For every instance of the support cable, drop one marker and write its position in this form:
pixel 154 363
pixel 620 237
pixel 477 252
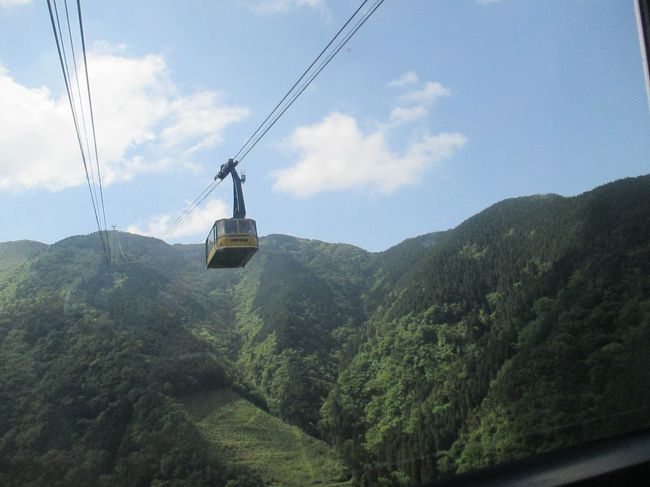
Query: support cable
pixel 83 124
pixel 321 67
pixel 299 79
pixel 64 69
pixel 254 139
pixel 92 115
pixel 197 201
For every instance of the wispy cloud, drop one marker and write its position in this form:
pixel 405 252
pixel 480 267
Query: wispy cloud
pixel 429 93
pixel 10 3
pixel 142 123
pixel 335 154
pixel 407 78
pixel 402 115
pixel 195 121
pixel 414 102
pixel 271 7
pixel 195 225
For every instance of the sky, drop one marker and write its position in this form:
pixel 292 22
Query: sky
pixel 434 111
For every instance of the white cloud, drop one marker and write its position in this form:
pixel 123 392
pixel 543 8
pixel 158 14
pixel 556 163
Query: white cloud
pixel 102 46
pixel 414 104
pixel 401 115
pixel 432 91
pixel 138 114
pixel 196 121
pixel 407 78
pixel 9 3
pixel 336 155
pixel 197 224
pixel 270 7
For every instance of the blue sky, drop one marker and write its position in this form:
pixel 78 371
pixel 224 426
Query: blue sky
pixel 434 111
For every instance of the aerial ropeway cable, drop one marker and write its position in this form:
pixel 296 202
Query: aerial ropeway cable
pixel 299 80
pixel 90 109
pixel 317 71
pixel 78 115
pixel 197 201
pixel 313 70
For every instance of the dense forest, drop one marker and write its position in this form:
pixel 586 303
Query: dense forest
pixel 524 329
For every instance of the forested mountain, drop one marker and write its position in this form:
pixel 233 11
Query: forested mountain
pixel 12 253
pixel 525 328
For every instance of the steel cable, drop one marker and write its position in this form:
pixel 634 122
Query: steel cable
pixel 65 70
pixel 245 149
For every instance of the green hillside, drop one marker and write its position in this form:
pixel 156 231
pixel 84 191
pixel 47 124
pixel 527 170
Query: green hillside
pixel 247 436
pixel 524 329
pixel 94 359
pixel 13 253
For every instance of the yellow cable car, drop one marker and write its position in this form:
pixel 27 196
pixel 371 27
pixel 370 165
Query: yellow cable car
pixel 232 241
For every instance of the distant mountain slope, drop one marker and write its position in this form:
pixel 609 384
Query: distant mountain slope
pixel 299 306
pixel 394 264
pixel 93 359
pixel 12 253
pixel 522 330
pixel 295 304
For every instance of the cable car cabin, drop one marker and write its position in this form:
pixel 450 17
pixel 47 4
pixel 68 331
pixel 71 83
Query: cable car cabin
pixel 231 243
